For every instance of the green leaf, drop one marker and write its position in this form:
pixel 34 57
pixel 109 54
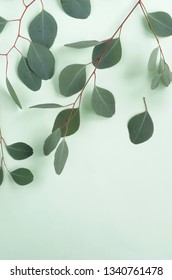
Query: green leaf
pixel 77 8
pixel 61 156
pixel 41 61
pixel 43 29
pixel 83 44
pixel 19 150
pixel 68 121
pixel 47 106
pixel 3 23
pixel 103 102
pixel 161 23
pixel 27 76
pixel 161 66
pixel 12 93
pixel 52 141
pixel 152 64
pixel 140 128
pixel 166 75
pixel 107 54
pixel 72 79
pixel 1 175
pixel 22 176
pixel 155 81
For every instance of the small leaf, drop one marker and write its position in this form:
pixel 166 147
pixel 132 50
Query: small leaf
pixel 77 8
pixel 155 81
pixel 140 128
pixel 12 93
pixel 103 102
pixel 47 106
pixel 161 66
pixel 27 76
pixel 166 76
pixel 43 29
pixel 68 121
pixel 107 54
pixel 1 175
pixel 72 79
pixel 3 23
pixel 41 61
pixel 83 44
pixel 19 150
pixel 22 176
pixel 161 23
pixel 61 156
pixel 52 141
pixel 152 64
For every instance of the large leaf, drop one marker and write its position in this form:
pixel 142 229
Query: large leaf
pixel 152 63
pixel 22 176
pixel 72 79
pixel 27 76
pixel 161 23
pixel 3 22
pixel 43 29
pixel 47 106
pixel 107 54
pixel 41 61
pixel 13 93
pixel 103 102
pixel 68 121
pixel 83 44
pixel 1 175
pixel 77 8
pixel 140 128
pixel 19 150
pixel 52 141
pixel 61 156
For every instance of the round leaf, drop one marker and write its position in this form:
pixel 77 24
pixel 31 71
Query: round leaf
pixel 77 8
pixel 19 150
pixel 52 141
pixel 1 175
pixel 161 23
pixel 3 22
pixel 22 176
pixel 43 29
pixel 61 156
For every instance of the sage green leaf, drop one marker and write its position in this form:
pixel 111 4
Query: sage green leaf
pixel 3 23
pixel 166 76
pixel 1 175
pixel 161 66
pixel 152 64
pixel 41 61
pixel 68 121
pixel 72 79
pixel 77 8
pixel 155 81
pixel 103 102
pixel 107 54
pixel 140 128
pixel 47 106
pixel 19 150
pixel 52 141
pixel 12 93
pixel 22 176
pixel 27 76
pixel 43 29
pixel 83 44
pixel 61 156
pixel 161 23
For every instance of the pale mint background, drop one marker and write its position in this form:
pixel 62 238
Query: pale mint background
pixel 113 200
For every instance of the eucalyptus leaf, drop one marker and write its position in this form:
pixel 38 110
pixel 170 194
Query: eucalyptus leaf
pixel 166 76
pixel 155 81
pixel 140 128
pixel 41 61
pixel 103 102
pixel 161 66
pixel 72 79
pixel 68 121
pixel 77 8
pixel 52 141
pixel 47 106
pixel 13 93
pixel 3 23
pixel 27 76
pixel 22 176
pixel 107 54
pixel 83 44
pixel 19 150
pixel 43 29
pixel 1 175
pixel 161 23
pixel 61 156
pixel 152 64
